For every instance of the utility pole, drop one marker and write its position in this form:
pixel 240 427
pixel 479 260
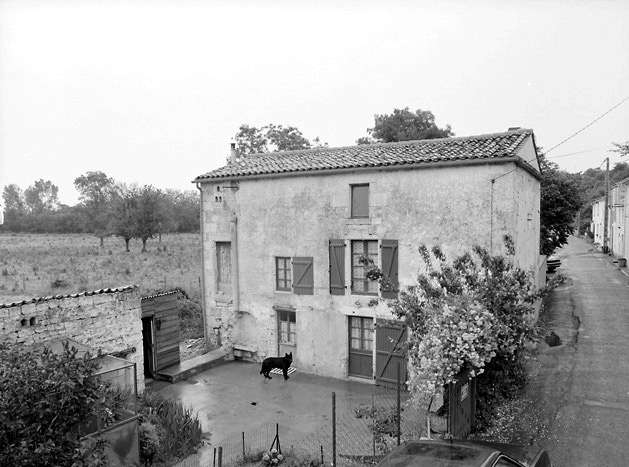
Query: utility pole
pixel 606 214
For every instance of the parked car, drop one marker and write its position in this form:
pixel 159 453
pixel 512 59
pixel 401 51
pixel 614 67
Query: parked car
pixel 552 263
pixel 438 453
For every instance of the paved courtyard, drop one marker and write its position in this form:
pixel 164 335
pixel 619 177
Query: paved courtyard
pixel 234 398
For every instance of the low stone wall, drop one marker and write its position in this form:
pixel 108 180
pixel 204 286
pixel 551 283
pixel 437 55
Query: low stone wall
pixel 109 320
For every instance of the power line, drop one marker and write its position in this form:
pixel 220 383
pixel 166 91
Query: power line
pixel 588 125
pixel 578 152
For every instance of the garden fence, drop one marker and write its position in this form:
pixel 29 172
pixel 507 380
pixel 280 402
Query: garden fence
pixel 357 434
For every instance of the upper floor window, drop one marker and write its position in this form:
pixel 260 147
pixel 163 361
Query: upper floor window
pixel 360 200
pixel 367 249
pixel 283 274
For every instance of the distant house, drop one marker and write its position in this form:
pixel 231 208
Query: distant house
pixel 617 240
pixel 283 233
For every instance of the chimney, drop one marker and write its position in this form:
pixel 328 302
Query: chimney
pixel 514 128
pixel 234 154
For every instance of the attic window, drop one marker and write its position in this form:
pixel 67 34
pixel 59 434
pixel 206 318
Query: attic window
pixel 360 201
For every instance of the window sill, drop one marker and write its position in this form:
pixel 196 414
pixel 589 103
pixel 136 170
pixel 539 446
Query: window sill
pixel 359 221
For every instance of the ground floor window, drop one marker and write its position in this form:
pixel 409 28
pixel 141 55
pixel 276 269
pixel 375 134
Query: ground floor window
pixel 287 321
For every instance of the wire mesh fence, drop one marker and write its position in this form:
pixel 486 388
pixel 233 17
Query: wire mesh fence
pixel 358 434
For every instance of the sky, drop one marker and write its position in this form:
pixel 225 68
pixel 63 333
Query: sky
pixel 153 91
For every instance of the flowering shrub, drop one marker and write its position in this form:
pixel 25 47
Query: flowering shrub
pixel 463 314
pixel 273 457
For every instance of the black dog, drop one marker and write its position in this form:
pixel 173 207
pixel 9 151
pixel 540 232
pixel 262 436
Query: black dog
pixel 277 362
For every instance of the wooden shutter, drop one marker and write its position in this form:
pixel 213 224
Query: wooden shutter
pixel 337 267
pixel 390 266
pixel 303 277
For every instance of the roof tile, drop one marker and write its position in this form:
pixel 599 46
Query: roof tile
pixel 493 146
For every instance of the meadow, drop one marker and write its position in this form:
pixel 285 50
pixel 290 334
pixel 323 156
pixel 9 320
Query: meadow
pixel 37 265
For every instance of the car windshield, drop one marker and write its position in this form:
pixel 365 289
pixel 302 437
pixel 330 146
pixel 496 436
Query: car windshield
pixel 420 454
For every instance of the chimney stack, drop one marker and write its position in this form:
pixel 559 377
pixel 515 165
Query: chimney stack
pixel 234 154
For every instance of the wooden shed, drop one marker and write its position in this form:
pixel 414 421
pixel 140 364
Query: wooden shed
pixel 160 332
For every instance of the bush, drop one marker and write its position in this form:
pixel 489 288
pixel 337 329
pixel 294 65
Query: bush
pixel 149 442
pixel 504 379
pixel 44 398
pixel 178 430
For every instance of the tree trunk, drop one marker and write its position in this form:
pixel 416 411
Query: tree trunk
pixel 144 245
pixel 126 242
pixel 102 242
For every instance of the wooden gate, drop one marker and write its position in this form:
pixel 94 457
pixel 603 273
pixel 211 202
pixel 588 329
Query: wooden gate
pixel 461 406
pixel 163 309
pixel 390 341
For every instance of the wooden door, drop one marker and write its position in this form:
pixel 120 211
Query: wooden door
pixel 360 346
pixel 390 340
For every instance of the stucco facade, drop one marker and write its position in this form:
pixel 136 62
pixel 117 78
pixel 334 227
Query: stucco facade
pixel 452 202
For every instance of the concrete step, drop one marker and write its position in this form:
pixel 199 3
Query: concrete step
pixel 188 368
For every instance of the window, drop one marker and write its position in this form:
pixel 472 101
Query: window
pixel 360 201
pixel 294 275
pixel 224 267
pixel 287 327
pixel 283 275
pixel 361 333
pixel 363 249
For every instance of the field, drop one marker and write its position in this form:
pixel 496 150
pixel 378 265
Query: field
pixel 36 265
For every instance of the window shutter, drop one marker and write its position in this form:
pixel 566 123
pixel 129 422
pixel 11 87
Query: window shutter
pixel 337 267
pixel 303 277
pixel 390 266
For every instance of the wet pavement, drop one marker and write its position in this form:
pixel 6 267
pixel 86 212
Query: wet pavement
pixel 235 398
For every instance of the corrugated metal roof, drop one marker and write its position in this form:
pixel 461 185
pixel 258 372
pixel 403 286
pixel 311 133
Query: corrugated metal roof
pixel 493 146
pixel 125 288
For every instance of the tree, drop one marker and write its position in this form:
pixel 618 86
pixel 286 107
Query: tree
pixel 123 213
pixel 622 148
pixel 45 398
pixel 404 125
pixel 269 138
pixel 473 314
pixel 95 193
pixel 561 200
pixel 41 197
pixel 148 216
pixel 14 207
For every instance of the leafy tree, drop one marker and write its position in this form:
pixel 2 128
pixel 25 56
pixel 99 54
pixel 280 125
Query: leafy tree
pixel 622 148
pixel 561 199
pixel 41 196
pixel 14 207
pixel 123 214
pixel 95 193
pixel 181 210
pixel 44 399
pixel 404 125
pixel 269 138
pixel 148 215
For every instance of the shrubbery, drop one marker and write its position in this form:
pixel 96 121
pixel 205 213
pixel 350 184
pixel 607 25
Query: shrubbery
pixel 44 399
pixel 168 430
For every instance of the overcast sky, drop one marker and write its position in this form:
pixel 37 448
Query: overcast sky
pixel 152 91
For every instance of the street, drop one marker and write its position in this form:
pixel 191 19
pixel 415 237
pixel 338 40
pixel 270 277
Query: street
pixel 582 385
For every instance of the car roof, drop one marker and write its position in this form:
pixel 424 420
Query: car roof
pixel 437 453
pixel 434 453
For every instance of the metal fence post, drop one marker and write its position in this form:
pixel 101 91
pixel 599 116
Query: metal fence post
pixel 220 456
pixel 333 429
pixel 243 445
pixel 398 411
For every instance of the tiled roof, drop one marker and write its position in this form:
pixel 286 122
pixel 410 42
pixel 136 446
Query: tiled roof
pixel 493 146
pixel 125 288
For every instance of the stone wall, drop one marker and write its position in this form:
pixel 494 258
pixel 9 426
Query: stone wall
pixel 108 320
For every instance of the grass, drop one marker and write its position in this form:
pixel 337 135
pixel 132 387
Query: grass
pixel 36 265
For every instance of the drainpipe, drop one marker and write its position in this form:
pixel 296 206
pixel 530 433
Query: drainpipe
pixel 202 261
pixel 233 228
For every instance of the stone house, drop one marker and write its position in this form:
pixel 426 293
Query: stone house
pixel 282 234
pixel 617 240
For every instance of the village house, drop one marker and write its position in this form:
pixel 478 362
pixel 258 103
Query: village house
pixel 283 232
pixel 616 242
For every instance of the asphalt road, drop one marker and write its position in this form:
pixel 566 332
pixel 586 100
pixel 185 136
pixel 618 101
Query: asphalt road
pixel 582 385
